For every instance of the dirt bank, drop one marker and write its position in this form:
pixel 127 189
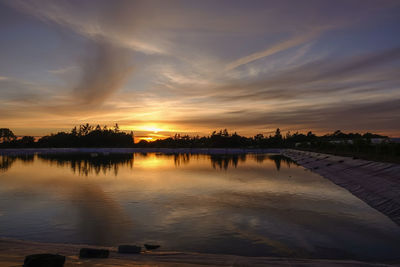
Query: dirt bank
pixel 13 252
pixel 376 183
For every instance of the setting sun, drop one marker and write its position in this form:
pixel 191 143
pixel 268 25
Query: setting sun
pixel 152 129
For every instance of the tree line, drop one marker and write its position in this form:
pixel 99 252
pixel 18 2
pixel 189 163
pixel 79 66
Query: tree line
pixel 224 139
pixel 338 142
pixel 85 135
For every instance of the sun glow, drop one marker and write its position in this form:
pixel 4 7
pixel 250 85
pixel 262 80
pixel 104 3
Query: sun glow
pixel 151 133
pixel 146 138
pixel 152 128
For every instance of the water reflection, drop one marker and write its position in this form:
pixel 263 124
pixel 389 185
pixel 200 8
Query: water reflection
pixel 100 218
pixel 226 161
pixel 86 163
pixel 181 159
pixel 245 204
pixel 96 163
pixel 278 159
pixel 7 161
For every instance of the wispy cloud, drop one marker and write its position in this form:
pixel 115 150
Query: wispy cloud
pixel 103 72
pixel 105 65
pixel 96 24
pixel 253 66
pixel 63 70
pixel 318 77
pixel 281 46
pixel 381 116
pixel 304 96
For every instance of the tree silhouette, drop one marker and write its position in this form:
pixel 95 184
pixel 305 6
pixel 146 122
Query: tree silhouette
pixel 88 136
pixel 337 142
pixel 6 135
pixel 116 128
pixel 278 135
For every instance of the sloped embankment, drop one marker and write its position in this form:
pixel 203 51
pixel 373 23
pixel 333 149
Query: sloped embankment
pixel 376 183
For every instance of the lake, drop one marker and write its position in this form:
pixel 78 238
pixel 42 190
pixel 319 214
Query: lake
pixel 243 204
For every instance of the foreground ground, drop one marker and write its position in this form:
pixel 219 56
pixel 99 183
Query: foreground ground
pixel 13 252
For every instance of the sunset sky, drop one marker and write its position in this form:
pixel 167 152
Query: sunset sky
pixel 160 67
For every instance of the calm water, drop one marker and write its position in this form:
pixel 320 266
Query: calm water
pixel 257 205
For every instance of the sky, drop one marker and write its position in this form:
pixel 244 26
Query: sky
pixel 161 67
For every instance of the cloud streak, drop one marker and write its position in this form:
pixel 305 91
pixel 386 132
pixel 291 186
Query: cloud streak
pixel 92 25
pixel 103 73
pixel 379 116
pixel 267 64
pixel 105 65
pixel 282 46
pixel 318 78
pixel 305 96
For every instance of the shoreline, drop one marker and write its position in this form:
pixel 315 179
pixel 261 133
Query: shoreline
pixel 17 151
pixel 13 252
pixel 375 183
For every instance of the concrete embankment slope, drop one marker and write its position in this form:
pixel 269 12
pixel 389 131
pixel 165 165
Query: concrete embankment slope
pixel 376 183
